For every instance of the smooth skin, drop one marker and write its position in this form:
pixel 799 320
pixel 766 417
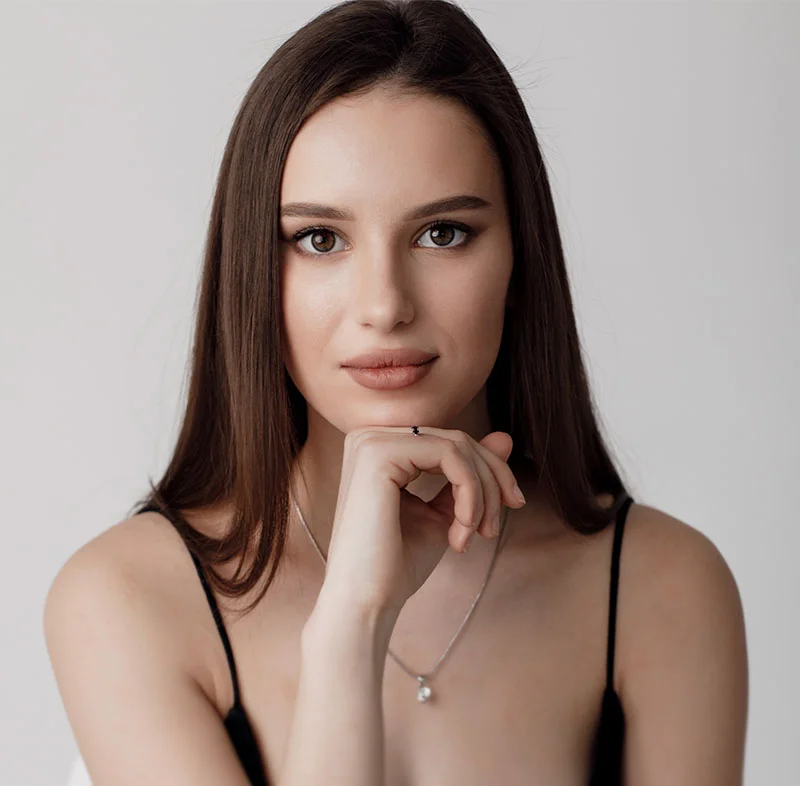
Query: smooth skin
pixel 386 541
pixel 138 661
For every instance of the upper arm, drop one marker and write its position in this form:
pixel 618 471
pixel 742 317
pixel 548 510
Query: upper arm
pixel 137 715
pixel 684 681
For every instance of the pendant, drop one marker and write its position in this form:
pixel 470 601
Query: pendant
pixel 423 692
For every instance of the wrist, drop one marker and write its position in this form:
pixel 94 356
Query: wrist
pixel 338 620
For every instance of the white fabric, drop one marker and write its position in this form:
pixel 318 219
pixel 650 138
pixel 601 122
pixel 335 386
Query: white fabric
pixel 79 775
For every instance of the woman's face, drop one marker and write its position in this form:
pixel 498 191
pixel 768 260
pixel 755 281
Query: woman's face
pixel 380 277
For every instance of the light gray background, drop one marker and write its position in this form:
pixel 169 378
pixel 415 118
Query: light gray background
pixel 671 132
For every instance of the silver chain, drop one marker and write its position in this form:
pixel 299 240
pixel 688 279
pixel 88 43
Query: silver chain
pixel 424 691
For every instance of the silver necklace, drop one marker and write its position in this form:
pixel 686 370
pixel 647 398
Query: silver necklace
pixel 424 692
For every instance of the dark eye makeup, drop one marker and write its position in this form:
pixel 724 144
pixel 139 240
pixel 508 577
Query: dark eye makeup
pixel 469 234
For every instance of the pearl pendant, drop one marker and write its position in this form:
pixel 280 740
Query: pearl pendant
pixel 423 692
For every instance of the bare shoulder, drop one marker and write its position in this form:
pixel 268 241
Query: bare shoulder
pixel 673 574
pixel 128 630
pixel 138 568
pixel 143 552
pixel 669 564
pixel 682 654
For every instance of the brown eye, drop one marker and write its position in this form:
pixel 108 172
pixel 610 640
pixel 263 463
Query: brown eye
pixel 322 240
pixel 442 234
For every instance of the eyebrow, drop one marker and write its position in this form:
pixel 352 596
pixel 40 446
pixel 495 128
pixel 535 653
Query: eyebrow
pixel 448 204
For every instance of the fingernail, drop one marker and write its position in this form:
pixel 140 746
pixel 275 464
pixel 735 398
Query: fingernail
pixel 517 492
pixel 469 542
pixel 496 524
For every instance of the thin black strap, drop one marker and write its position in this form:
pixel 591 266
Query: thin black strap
pixel 212 602
pixel 625 503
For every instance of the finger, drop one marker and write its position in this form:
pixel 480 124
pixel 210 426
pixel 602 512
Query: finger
pixel 492 477
pixel 503 474
pixel 467 497
pixel 496 477
pixel 485 487
pixel 461 500
pixel 499 442
pixel 492 494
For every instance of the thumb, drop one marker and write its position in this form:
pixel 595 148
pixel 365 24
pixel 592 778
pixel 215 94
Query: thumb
pixel 499 442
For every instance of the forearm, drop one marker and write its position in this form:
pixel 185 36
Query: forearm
pixel 337 729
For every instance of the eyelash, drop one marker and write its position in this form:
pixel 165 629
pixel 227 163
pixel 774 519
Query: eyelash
pixel 468 231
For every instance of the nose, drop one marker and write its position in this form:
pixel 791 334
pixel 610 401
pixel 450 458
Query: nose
pixel 381 293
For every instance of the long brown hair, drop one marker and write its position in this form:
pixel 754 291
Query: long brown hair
pixel 245 421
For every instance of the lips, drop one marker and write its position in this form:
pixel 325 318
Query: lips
pixel 391 377
pixel 390 358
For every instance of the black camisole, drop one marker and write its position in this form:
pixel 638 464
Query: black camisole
pixel 609 735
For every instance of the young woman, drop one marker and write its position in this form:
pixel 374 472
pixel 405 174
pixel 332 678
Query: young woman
pixel 383 202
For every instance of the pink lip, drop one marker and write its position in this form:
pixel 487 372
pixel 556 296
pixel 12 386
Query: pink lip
pixel 400 356
pixel 390 377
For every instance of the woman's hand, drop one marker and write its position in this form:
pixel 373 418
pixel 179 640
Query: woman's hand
pixel 385 541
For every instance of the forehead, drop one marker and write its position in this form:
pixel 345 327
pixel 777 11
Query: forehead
pixel 382 151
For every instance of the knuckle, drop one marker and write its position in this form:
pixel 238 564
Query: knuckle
pixel 370 444
pixel 364 442
pixel 354 437
pixel 452 448
pixel 470 440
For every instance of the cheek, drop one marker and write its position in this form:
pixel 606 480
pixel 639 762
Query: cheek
pixel 309 303
pixel 475 327
pixel 305 329
pixel 479 308
pixel 311 296
pixel 482 334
